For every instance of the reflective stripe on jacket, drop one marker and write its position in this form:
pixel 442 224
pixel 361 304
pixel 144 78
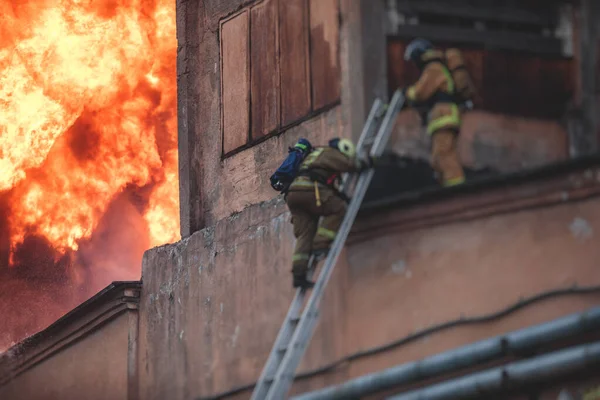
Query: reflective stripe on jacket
pixel 436 79
pixel 324 162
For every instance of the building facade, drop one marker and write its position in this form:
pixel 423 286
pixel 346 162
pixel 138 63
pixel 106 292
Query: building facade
pixel 426 270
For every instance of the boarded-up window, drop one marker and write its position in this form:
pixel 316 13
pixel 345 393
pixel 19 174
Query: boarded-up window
pixel 324 50
pixel 295 73
pixel 279 64
pixel 234 34
pixel 264 67
pixel 509 82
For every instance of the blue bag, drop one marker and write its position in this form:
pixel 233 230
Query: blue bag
pixel 287 171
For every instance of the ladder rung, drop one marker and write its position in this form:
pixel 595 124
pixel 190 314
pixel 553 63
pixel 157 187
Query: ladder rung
pixel 370 140
pixel 294 336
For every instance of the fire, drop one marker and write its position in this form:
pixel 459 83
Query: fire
pixel 87 113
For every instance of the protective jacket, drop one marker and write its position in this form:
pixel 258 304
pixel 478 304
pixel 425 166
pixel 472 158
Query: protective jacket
pixel 436 89
pixel 322 168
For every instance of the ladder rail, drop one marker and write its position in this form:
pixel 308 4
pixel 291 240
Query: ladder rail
pixel 305 329
pixel 282 340
pixel 288 328
pixel 368 129
pixel 368 126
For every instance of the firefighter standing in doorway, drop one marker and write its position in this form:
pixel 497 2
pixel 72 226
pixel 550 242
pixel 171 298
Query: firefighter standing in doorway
pixel 443 87
pixel 315 193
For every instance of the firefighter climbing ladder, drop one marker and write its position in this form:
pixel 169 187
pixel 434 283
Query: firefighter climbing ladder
pixel 295 333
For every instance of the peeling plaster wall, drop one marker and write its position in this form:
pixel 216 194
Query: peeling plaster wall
pixel 243 179
pixel 212 188
pixel 214 295
pixel 213 303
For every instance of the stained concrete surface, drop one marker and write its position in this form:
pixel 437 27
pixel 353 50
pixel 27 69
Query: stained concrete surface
pixel 487 140
pixel 94 368
pixel 213 303
pixel 404 282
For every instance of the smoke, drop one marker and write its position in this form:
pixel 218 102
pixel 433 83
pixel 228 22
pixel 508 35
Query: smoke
pixel 41 284
pixel 116 247
pixel 34 288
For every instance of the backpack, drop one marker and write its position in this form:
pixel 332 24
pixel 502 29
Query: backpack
pixel 283 177
pixel 464 87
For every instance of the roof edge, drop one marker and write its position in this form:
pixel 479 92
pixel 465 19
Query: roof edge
pixel 574 181
pixel 110 302
pixel 435 193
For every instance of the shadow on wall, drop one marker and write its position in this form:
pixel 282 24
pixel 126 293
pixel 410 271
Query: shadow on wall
pixel 487 140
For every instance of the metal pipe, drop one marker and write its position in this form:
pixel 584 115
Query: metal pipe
pixel 511 376
pixel 463 357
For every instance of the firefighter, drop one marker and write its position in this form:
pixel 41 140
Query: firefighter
pixel 441 94
pixel 315 193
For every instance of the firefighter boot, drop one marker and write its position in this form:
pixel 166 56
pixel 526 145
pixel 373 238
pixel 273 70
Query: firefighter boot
pixel 301 281
pixel 445 158
pixel 320 254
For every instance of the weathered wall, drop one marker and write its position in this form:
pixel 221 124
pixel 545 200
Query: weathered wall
pixel 243 179
pixel 407 281
pixel 498 141
pixel 93 368
pixel 213 303
pixel 232 107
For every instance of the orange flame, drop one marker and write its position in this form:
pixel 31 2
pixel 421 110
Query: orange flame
pixel 86 77
pixel 87 111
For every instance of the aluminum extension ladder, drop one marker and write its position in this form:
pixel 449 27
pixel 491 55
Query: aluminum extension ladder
pixel 295 333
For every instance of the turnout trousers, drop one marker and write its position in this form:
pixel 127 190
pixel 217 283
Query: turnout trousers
pixel 310 237
pixel 444 126
pixel 444 157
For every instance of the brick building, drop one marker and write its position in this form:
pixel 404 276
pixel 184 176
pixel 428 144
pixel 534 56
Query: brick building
pixel 425 271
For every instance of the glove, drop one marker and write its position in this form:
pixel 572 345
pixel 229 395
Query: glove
pixel 406 103
pixel 367 163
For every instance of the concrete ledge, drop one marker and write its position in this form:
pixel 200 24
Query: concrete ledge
pixel 480 197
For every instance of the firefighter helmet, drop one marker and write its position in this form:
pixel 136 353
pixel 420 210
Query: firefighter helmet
pixel 415 50
pixel 345 146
